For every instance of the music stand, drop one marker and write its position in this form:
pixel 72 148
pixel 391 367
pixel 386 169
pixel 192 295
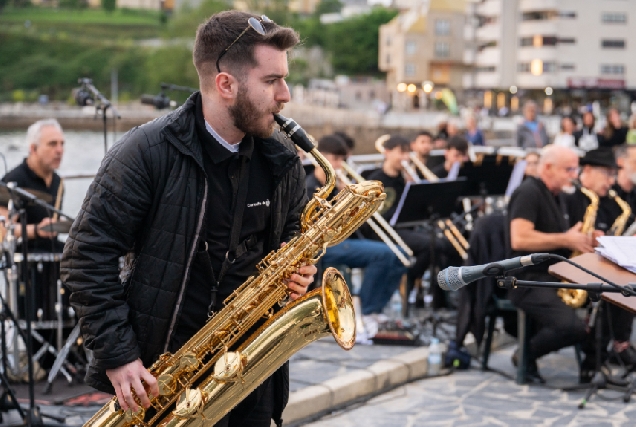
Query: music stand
pixel 601 266
pixel 425 203
pixel 487 177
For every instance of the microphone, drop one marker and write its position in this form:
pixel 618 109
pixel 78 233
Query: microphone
pixel 453 278
pixel 160 101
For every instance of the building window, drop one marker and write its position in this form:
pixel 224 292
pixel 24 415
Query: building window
pixel 409 70
pixel 442 27
pixel 567 14
pixel 526 41
pixel 549 67
pixel 484 46
pixel 568 67
pixel 539 15
pixel 538 41
pixel 614 18
pixel 567 40
pixel 388 41
pixel 411 47
pixel 613 44
pixel 486 69
pixel 442 49
pixel 523 67
pixel 613 69
pixel 388 58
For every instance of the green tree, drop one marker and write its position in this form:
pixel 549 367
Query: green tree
pixel 185 23
pixel 353 43
pixel 328 6
pixel 109 5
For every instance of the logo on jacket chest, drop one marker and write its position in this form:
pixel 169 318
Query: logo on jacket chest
pixel 261 203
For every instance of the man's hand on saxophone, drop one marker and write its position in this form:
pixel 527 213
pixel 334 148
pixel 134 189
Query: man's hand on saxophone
pixel 300 281
pixel 128 378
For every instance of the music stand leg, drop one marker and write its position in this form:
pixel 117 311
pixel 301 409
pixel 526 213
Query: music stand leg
pixel 60 359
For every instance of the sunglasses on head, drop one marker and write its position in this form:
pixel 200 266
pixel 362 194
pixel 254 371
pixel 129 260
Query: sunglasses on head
pixel 256 25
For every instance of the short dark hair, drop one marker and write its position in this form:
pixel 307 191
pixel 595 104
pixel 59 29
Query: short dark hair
pixel 332 144
pixel 459 143
pixel 621 151
pixel 425 133
pixel 397 141
pixel 350 142
pixel 221 29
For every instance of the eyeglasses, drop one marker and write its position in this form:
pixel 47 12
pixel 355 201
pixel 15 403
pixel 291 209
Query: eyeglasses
pixel 256 25
pixel 572 169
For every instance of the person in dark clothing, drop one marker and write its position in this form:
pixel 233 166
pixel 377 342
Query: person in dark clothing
pixel 383 270
pixel 536 223
pixel 531 133
pixel 615 132
pixel 169 195
pixel 598 176
pixel 456 152
pixel 396 150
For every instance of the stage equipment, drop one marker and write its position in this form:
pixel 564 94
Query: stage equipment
pixel 204 380
pixel 575 298
pixel 88 94
pixel 162 101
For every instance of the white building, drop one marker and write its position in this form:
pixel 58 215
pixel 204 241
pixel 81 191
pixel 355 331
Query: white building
pixel 575 50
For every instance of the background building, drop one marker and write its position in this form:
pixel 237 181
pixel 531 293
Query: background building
pixel 562 53
pixel 423 44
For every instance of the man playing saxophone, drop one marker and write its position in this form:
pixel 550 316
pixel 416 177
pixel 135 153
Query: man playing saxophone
pixel 598 175
pixel 536 223
pixel 625 186
pixel 195 199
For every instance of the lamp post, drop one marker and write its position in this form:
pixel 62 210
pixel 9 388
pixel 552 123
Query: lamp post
pixel 427 87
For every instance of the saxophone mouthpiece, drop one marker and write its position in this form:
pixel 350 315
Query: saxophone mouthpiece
pixel 294 132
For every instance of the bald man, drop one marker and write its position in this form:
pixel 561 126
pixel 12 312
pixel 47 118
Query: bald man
pixel 536 223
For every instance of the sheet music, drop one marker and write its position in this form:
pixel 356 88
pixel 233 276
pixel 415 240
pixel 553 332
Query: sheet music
pixel 400 205
pixel 620 250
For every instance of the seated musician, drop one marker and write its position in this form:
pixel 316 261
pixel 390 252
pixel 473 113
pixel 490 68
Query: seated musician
pixel 532 164
pixel 383 270
pixel 396 151
pixel 456 151
pixel 422 146
pixel 45 142
pixel 536 223
pixel 598 175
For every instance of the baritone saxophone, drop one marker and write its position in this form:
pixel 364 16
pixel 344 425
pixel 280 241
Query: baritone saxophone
pixel 221 364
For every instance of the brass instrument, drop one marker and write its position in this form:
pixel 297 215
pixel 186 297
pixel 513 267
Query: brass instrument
pixel 426 172
pixel 378 224
pixel 575 298
pixel 618 226
pixel 203 381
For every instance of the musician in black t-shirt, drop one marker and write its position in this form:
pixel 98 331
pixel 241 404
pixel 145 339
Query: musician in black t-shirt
pixel 536 223
pixel 396 151
pixel 456 152
pixel 598 174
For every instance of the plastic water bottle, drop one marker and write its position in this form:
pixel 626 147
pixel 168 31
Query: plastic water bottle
pixel 434 357
pixel 396 305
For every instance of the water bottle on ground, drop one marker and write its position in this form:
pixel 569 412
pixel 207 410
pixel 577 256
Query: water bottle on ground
pixel 396 306
pixel 434 357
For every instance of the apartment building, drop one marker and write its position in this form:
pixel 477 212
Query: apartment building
pixel 559 52
pixel 421 50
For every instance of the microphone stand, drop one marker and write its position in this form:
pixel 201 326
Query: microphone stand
pixel 602 377
pixel 101 103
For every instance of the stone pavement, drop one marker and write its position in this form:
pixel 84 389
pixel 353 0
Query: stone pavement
pixel 387 386
pixel 475 398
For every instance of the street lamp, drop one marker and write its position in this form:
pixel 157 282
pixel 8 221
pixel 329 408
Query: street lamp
pixel 427 86
pixel 548 91
pixel 411 88
pixel 401 87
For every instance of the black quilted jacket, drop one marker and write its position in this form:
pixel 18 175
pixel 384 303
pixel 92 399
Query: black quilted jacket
pixel 148 200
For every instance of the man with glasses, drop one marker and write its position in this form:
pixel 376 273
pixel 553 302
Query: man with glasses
pixel 598 174
pixel 536 223
pixel 195 199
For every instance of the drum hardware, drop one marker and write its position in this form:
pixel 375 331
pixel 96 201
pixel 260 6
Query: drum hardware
pixel 17 201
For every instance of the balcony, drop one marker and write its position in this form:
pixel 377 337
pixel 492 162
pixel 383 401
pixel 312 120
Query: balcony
pixel 469 56
pixel 530 28
pixel 469 32
pixel 531 5
pixel 488 56
pixel 489 8
pixel 489 32
pixel 487 80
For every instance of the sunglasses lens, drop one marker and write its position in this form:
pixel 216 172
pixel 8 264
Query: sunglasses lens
pixel 266 19
pixel 256 25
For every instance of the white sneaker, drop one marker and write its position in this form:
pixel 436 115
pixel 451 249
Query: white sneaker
pixel 370 324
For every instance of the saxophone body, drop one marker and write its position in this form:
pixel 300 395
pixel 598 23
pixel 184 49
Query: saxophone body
pixel 575 298
pixel 618 227
pixel 221 364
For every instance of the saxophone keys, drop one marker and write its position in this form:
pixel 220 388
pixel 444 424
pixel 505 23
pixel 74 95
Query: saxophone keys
pixel 188 362
pixel 229 366
pixel 166 384
pixel 190 403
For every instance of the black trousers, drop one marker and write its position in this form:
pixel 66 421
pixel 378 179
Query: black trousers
pixel 255 410
pixel 621 322
pixel 554 324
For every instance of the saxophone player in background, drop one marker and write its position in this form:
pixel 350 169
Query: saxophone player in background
pixel 197 198
pixel 536 223
pixel 625 186
pixel 598 174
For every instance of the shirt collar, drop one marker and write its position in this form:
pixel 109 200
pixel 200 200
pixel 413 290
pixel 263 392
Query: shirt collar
pixel 32 173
